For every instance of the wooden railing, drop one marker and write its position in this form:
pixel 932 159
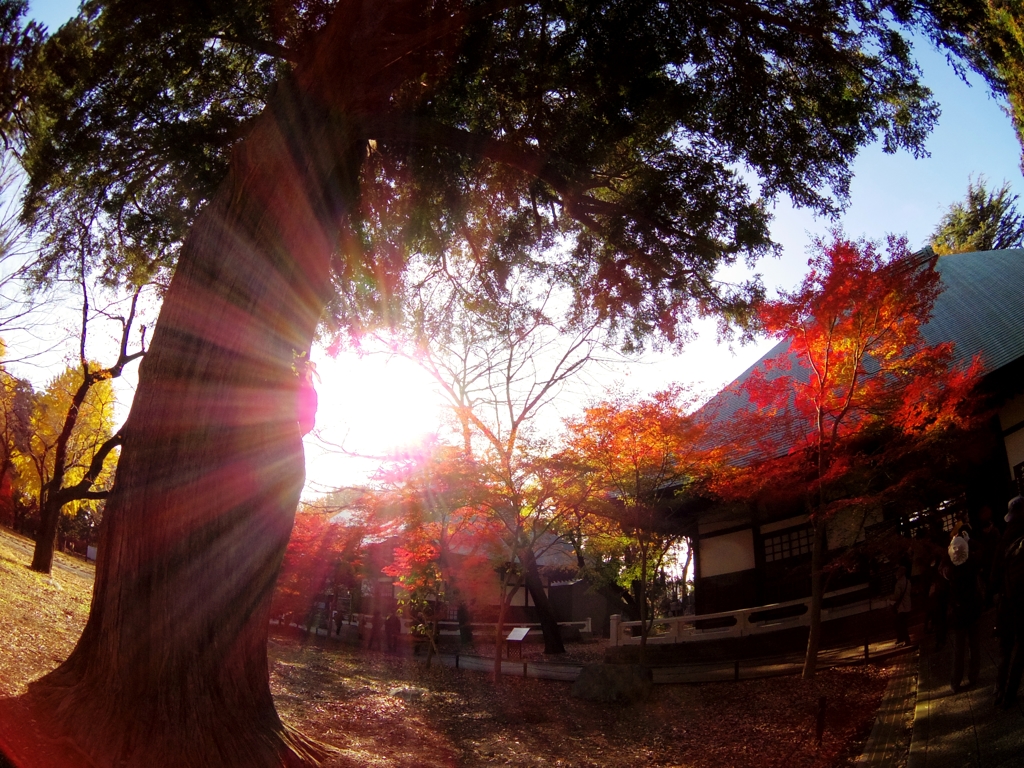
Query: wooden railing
pixel 452 627
pixel 747 621
pixel 447 628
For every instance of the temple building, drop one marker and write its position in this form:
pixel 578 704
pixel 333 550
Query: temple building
pixel 758 553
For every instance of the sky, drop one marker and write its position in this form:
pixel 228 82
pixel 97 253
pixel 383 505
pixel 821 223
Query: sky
pixel 371 405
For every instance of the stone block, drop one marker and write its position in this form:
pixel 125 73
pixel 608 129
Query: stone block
pixel 626 683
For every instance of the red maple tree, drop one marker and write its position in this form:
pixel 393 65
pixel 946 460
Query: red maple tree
pixel 855 362
pixel 639 453
pixel 323 554
pixel 431 501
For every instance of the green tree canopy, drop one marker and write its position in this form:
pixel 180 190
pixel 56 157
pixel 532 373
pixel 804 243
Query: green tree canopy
pixel 597 144
pixel 20 46
pixel 983 221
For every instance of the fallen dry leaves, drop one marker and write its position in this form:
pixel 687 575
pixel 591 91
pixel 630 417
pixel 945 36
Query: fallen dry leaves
pixel 41 616
pixel 390 712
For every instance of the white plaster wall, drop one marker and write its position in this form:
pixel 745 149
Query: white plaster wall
pixel 778 525
pixel 1015 449
pixel 1012 412
pixel 728 553
pixel 1010 415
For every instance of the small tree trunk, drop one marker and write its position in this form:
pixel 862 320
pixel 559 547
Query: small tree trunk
pixel 50 503
pixel 499 630
pixel 548 623
pixel 643 604
pixel 432 634
pixel 689 562
pixel 46 538
pixel 577 546
pixel 430 641
pixel 817 594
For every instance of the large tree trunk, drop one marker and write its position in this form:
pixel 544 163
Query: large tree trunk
pixel 172 667
pixel 548 624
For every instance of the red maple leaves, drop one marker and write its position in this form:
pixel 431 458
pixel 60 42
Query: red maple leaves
pixel 855 361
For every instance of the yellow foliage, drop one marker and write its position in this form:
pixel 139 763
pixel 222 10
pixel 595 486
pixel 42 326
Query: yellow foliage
pixel 93 427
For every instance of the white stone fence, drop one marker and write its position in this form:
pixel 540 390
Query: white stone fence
pixel 446 628
pixel 452 627
pixel 747 621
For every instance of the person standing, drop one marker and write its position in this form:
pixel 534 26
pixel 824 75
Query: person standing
pixel 938 607
pixel 392 629
pixel 376 631
pixel 901 606
pixel 1007 583
pixel 966 598
pixel 985 540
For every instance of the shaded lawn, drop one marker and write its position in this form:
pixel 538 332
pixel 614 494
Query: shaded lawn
pixel 379 710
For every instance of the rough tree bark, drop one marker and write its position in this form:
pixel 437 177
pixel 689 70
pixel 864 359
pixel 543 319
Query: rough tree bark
pixel 171 669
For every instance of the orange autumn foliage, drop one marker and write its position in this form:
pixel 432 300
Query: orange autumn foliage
pixel 431 500
pixel 638 454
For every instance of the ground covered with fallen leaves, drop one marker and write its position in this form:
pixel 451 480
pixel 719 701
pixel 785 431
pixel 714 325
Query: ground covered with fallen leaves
pixel 392 711
pixel 41 616
pixel 381 710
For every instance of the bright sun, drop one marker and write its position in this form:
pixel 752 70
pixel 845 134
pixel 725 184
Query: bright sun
pixel 370 405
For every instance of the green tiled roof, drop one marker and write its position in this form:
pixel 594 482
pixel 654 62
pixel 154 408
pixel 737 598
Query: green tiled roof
pixel 981 309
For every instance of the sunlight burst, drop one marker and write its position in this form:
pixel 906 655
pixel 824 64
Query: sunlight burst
pixel 368 407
